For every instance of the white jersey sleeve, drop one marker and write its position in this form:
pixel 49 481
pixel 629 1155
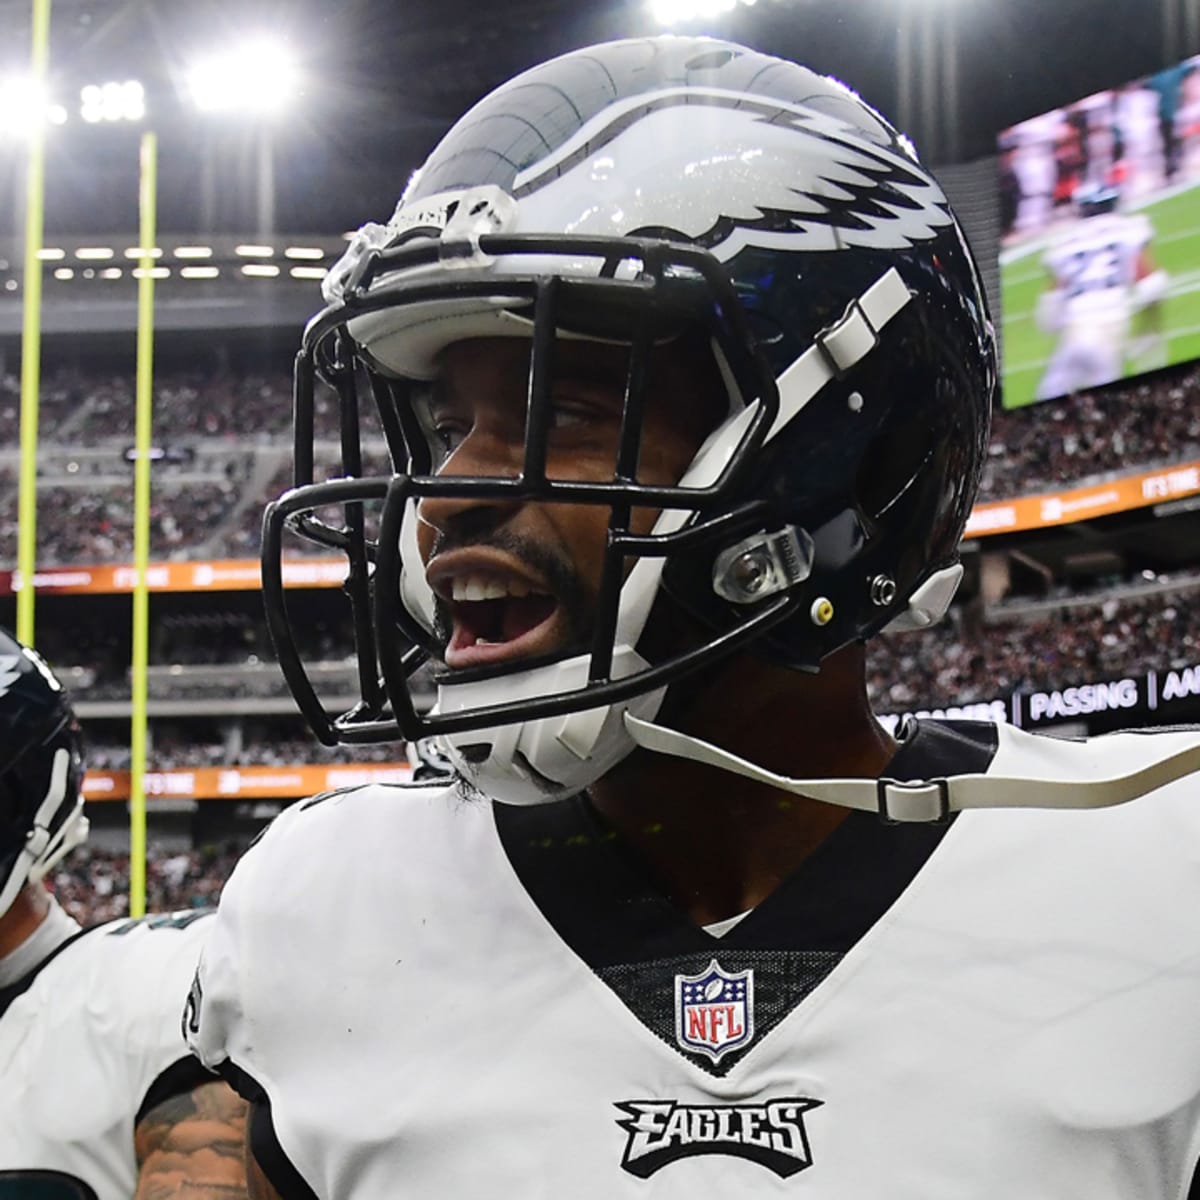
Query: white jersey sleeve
pixel 89 1043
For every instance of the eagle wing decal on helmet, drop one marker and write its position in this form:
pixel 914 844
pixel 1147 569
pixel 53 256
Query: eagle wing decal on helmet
pixel 825 187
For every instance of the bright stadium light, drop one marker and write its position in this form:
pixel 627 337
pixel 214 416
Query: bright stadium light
pixel 675 12
pixel 256 77
pixel 112 102
pixel 23 104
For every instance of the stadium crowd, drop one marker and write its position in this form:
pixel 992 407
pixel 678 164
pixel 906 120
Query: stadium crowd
pixel 174 749
pixel 964 660
pixel 1152 420
pixel 92 883
pixel 84 526
pixel 83 407
pixel 1140 423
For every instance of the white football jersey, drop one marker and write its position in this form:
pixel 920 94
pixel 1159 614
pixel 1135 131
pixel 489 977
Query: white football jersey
pixel 429 996
pixel 1096 268
pixel 88 1042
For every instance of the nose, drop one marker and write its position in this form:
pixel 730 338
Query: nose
pixel 482 453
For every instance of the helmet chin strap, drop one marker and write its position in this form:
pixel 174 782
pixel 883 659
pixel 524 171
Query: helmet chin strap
pixel 1171 756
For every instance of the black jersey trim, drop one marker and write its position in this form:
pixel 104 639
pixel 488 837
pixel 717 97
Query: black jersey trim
pixel 271 1157
pixel 593 891
pixel 20 986
pixel 185 1074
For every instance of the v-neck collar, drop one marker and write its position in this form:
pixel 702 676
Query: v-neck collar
pixel 596 894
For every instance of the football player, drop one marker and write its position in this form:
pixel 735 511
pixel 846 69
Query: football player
pixel 1102 275
pixel 101 1099
pixel 686 374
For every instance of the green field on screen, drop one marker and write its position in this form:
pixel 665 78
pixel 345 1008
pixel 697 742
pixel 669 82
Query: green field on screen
pixel 1175 248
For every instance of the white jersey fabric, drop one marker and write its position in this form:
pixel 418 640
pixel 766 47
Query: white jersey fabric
pixel 87 1042
pixel 1095 270
pixel 1020 1022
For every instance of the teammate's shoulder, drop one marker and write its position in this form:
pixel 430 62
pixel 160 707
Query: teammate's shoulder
pixel 130 947
pixel 136 931
pixel 117 974
pixel 123 937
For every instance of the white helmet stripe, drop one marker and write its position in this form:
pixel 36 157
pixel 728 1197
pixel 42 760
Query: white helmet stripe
pixel 840 346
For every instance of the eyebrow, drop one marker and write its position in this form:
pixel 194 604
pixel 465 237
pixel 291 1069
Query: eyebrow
pixel 604 373
pixel 601 375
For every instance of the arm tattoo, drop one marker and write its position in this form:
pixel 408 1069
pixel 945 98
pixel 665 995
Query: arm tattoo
pixel 190 1147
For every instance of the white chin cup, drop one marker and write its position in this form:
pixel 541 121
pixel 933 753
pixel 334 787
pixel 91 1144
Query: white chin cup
pixel 536 762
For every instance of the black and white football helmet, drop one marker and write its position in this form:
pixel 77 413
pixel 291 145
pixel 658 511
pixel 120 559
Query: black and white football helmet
pixel 626 193
pixel 41 770
pixel 1096 199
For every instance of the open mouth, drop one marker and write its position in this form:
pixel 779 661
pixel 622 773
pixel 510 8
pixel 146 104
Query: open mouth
pixel 496 617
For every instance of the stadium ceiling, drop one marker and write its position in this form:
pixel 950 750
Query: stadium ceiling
pixel 384 78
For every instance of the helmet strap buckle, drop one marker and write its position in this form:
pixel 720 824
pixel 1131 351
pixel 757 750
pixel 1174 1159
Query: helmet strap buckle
pixel 848 340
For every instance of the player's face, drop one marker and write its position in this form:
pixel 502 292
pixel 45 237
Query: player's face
pixel 518 579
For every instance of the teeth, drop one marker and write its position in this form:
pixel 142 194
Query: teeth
pixel 481 587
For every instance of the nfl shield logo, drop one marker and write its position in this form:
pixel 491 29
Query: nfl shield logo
pixel 714 1011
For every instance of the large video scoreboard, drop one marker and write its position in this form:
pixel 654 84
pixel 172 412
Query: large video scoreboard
pixel 1100 257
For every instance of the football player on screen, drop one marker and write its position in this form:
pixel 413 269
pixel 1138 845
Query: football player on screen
pixel 101 1100
pixel 686 373
pixel 1103 279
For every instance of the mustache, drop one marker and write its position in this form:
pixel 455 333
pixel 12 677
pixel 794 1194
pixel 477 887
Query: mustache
pixel 549 563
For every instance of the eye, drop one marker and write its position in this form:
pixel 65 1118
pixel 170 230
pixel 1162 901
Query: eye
pixel 443 425
pixel 446 435
pixel 579 405
pixel 565 414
